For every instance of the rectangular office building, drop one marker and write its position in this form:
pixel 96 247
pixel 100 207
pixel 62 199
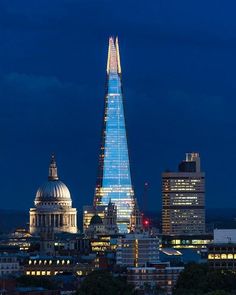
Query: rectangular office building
pixel 183 199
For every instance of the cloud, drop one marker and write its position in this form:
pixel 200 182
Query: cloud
pixel 33 105
pixel 30 85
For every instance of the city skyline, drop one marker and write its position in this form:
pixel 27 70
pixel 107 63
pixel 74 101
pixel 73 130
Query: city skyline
pixel 179 93
pixel 117 150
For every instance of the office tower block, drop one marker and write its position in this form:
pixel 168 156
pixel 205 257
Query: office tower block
pixel 183 198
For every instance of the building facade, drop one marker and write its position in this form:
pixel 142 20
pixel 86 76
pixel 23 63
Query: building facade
pixel 160 276
pixel 137 250
pixel 186 241
pixel 222 252
pixel 136 220
pixel 53 212
pixel 54 265
pixel 89 212
pixel 183 199
pixel 114 177
pixel 107 217
pixel 9 264
pixel 222 256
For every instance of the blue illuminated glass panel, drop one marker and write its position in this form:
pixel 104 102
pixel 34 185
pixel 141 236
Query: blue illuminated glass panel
pixel 114 180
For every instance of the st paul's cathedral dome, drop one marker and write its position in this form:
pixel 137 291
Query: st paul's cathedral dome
pixel 53 210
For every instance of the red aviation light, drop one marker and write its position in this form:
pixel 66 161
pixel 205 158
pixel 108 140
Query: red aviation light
pixel 146 222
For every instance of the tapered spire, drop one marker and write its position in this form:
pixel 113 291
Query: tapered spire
pixel 113 58
pixel 114 185
pixel 53 169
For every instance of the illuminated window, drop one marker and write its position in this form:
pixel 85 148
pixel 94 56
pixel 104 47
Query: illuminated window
pixel 230 256
pixel 211 256
pixel 43 273
pixel 28 273
pixel 58 261
pixel 50 262
pixel 45 262
pixel 33 273
pixel 63 262
pixel 48 273
pixel 68 261
pixel 223 256
pixel 30 261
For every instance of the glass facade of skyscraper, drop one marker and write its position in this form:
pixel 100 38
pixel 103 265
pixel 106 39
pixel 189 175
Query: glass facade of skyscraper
pixel 114 180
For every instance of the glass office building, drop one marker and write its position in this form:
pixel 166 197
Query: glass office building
pixel 114 180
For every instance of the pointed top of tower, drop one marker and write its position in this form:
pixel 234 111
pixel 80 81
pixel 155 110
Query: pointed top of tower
pixel 53 169
pixel 113 58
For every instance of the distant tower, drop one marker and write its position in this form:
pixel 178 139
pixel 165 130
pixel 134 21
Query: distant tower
pixel 183 198
pixel 110 218
pixel 53 212
pixel 136 224
pixel 114 179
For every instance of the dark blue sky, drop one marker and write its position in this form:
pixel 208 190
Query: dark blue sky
pixel 179 79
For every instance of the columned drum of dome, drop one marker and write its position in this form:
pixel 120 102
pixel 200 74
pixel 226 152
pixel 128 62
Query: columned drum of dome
pixel 114 179
pixel 53 210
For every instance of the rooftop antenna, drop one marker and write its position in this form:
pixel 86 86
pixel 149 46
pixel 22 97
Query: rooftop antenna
pixel 145 197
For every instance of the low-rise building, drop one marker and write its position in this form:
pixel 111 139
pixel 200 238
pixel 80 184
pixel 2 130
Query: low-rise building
pixel 68 244
pixel 9 265
pixel 222 252
pixel 157 276
pixel 186 241
pixel 53 265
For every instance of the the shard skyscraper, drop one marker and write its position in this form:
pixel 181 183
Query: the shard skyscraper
pixel 114 179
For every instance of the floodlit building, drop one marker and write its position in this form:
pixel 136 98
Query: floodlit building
pixel 183 199
pixel 137 250
pixel 53 212
pixel 114 177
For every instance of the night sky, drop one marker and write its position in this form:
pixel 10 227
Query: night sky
pixel 179 80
